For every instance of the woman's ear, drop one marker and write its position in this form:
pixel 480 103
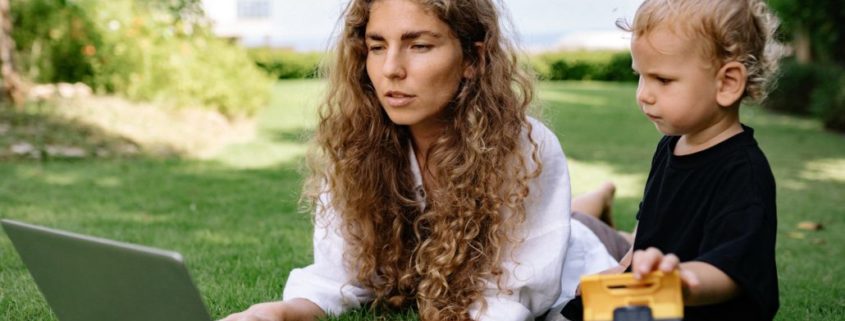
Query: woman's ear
pixel 470 68
pixel 731 80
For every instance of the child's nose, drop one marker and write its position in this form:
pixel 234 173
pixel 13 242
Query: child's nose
pixel 644 95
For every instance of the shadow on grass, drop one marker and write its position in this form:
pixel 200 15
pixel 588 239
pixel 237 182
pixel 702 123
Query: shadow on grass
pixel 239 229
pixel 35 133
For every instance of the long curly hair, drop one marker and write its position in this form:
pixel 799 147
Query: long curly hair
pixel 437 258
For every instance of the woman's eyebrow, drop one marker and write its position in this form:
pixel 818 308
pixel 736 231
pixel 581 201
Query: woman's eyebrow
pixel 409 35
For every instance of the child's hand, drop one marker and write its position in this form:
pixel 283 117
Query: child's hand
pixel 650 260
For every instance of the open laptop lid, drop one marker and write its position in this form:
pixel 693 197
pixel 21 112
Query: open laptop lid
pixel 85 278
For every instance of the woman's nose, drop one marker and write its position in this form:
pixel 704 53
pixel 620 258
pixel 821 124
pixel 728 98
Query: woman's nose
pixel 394 65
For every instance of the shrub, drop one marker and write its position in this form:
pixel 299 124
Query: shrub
pixel 792 91
pixel 286 64
pixel 619 68
pixel 583 65
pixel 138 50
pixel 828 99
pixel 54 39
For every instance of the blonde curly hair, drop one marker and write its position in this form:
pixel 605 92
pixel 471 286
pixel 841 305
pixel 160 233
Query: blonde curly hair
pixel 725 30
pixel 437 259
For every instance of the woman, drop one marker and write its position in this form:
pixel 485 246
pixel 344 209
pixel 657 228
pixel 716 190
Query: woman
pixel 432 187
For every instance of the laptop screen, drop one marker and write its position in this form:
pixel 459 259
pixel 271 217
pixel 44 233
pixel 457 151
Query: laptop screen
pixel 85 278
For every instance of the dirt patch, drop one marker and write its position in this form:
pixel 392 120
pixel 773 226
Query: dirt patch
pixel 99 126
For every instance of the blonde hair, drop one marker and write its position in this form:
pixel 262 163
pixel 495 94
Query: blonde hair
pixel 438 258
pixel 731 30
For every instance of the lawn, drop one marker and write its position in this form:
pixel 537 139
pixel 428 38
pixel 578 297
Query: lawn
pixel 234 216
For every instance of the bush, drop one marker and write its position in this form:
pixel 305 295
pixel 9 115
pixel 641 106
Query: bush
pixel 55 41
pixel 584 65
pixel 828 100
pixel 793 90
pixel 619 68
pixel 139 50
pixel 286 64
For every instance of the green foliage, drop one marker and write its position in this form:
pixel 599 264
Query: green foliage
pixel 56 40
pixel 584 65
pixel 811 89
pixel 792 91
pixel 159 51
pixel 828 99
pixel 820 20
pixel 285 63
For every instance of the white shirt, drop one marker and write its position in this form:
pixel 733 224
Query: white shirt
pixel 542 272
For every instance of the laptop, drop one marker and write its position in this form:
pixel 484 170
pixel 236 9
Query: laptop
pixel 85 278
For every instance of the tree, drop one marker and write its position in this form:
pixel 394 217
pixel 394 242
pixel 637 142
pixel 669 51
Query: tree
pixel 12 83
pixel 815 28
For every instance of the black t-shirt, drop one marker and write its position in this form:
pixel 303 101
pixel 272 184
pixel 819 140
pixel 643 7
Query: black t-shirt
pixel 716 206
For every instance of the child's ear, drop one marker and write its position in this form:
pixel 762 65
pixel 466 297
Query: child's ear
pixel 470 69
pixel 730 86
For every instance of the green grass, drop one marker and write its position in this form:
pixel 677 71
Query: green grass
pixel 235 219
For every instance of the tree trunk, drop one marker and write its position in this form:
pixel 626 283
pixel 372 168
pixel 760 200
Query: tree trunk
pixel 801 44
pixel 12 83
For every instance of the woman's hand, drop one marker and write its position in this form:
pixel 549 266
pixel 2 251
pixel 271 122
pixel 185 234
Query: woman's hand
pixel 290 310
pixel 269 311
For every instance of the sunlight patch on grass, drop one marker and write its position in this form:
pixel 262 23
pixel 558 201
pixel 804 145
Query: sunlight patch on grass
pixel 587 176
pixel 131 218
pixel 62 179
pixel 825 170
pixel 108 182
pixel 207 236
pixel 793 184
pixel 260 154
pixel 569 98
pixel 192 132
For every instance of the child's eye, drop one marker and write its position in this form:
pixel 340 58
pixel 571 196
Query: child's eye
pixel 663 80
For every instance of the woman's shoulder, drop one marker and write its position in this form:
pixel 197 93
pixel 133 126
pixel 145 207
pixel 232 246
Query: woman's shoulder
pixel 545 138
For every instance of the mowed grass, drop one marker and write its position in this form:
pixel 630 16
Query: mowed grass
pixel 235 217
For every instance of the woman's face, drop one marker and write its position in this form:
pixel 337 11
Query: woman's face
pixel 414 61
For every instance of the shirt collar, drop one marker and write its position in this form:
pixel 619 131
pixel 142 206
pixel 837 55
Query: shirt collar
pixel 415 171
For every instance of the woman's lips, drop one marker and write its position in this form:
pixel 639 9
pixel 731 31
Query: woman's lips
pixel 398 99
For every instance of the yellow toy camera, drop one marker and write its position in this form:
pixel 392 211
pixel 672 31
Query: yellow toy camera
pixel 619 297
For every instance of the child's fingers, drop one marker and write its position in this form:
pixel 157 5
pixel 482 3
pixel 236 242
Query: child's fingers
pixel 689 278
pixel 645 261
pixel 669 263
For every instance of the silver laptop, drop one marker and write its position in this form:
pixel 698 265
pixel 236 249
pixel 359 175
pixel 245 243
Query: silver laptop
pixel 85 278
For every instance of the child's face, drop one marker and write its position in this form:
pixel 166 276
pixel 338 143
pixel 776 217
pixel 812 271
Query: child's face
pixel 677 87
pixel 414 62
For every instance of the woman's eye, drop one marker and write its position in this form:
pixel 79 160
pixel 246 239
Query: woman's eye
pixel 421 47
pixel 375 48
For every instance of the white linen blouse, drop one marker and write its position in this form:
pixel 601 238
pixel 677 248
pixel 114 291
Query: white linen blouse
pixel 543 271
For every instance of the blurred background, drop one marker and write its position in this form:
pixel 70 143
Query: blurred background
pixel 182 124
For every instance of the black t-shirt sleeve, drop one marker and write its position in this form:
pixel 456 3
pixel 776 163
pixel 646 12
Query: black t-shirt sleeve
pixel 739 240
